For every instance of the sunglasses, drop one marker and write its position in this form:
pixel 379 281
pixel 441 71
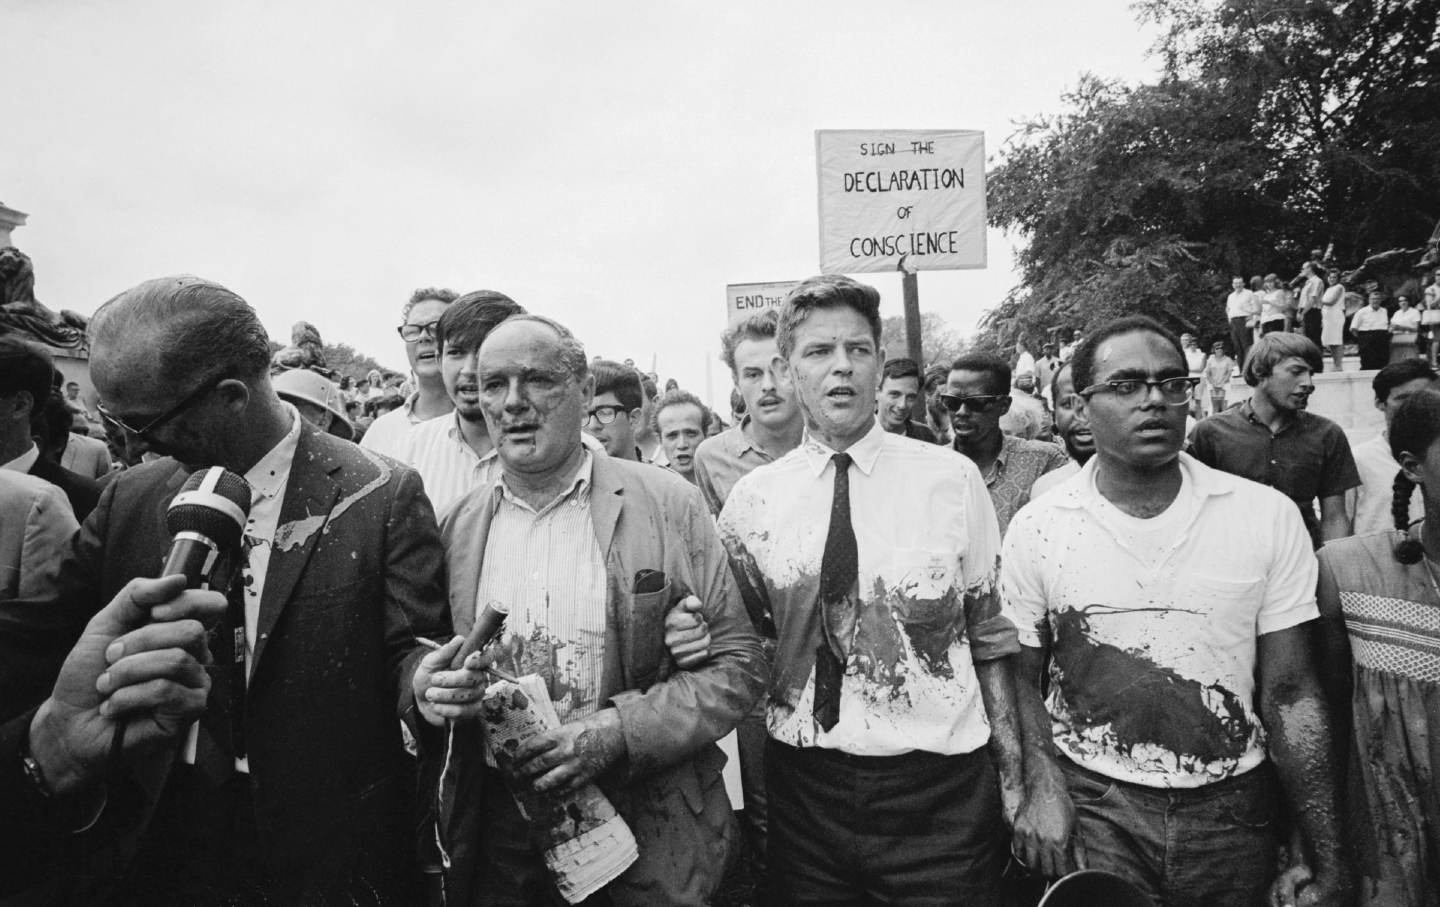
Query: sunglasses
pixel 413 332
pixel 142 430
pixel 976 403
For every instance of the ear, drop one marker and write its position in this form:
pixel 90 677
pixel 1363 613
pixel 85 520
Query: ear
pixel 1410 465
pixel 1005 404
pixel 781 365
pixel 587 391
pixel 235 393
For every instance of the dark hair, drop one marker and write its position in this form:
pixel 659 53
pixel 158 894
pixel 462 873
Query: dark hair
pixel 471 318
pixel 621 380
pixel 50 422
pixel 647 384
pixel 998 369
pixel 737 401
pixel 1415 427
pixel 935 376
pixel 1274 348
pixel 900 367
pixel 828 291
pixel 25 367
pixel 437 293
pixel 1398 373
pixel 1055 380
pixel 760 326
pixel 676 398
pixel 202 329
pixel 1083 361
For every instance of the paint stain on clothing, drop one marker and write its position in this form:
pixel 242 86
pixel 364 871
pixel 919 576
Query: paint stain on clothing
pixel 1143 702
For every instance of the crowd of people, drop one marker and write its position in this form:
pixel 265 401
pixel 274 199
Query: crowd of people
pixel 975 625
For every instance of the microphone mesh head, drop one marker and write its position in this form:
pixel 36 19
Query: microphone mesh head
pixel 215 503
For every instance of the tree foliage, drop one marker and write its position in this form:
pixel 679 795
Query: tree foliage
pixel 1275 127
pixel 938 342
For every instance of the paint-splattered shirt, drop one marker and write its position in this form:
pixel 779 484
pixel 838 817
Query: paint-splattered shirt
pixel 547 567
pixel 924 609
pixel 1153 624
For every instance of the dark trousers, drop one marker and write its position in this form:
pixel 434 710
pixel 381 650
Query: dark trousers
pixel 1310 321
pixel 1374 348
pixel 1213 846
pixel 1272 327
pixel 918 829
pixel 1242 338
pixel 512 865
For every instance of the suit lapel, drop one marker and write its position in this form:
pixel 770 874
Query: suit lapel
pixel 607 494
pixel 310 495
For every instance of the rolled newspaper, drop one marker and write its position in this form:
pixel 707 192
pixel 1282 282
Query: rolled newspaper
pixel 587 843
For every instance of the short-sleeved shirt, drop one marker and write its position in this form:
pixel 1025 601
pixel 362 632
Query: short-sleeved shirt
pixel 1377 468
pixel 1242 304
pixel 721 461
pixel 1153 624
pixel 924 608
pixel 1368 319
pixel 387 434
pixel 1016 468
pixel 1308 459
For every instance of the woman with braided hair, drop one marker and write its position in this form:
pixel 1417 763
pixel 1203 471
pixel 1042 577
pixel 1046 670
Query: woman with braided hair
pixel 1380 609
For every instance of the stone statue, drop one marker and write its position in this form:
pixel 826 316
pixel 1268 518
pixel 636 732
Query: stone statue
pixel 22 314
pixel 304 351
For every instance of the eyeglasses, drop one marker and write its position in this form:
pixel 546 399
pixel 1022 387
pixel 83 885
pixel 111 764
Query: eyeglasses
pixel 143 430
pixel 1174 391
pixel 413 332
pixel 605 414
pixel 977 403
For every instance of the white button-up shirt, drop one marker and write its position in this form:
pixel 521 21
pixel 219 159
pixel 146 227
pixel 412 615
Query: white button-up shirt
pixel 924 609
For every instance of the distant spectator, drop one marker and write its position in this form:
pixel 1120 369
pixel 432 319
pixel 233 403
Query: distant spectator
pixel 682 422
pixel 1371 327
pixel 899 389
pixel 1219 369
pixel 1404 330
pixel 1332 319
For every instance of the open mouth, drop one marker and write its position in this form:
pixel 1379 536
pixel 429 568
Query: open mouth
pixel 841 394
pixel 1154 425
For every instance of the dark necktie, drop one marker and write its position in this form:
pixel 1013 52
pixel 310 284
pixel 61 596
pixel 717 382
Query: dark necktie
pixel 839 569
pixel 222 737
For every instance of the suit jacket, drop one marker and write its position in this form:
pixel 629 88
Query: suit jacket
pixel 355 574
pixel 82 493
pixel 86 456
pixel 35 525
pixel 669 788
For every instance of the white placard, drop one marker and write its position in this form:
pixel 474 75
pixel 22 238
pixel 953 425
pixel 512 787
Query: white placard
pixel 885 194
pixel 745 299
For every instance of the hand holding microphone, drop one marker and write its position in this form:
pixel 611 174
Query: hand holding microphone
pixel 140 661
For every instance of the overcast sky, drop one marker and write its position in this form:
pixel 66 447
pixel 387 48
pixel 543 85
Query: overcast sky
pixel 611 165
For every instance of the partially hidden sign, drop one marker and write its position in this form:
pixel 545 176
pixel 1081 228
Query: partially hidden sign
pixel 886 194
pixel 745 299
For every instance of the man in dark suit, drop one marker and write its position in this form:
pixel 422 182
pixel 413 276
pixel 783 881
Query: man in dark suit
pixel 293 787
pixel 26 373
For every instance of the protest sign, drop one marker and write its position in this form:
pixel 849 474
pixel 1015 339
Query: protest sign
pixel 886 194
pixel 745 299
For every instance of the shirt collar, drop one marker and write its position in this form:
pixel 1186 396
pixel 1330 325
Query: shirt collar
pixel 579 485
pixel 268 476
pixel 453 432
pixel 1204 482
pixel 23 462
pixel 1247 409
pixel 863 453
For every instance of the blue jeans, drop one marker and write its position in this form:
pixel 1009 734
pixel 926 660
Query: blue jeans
pixel 1213 846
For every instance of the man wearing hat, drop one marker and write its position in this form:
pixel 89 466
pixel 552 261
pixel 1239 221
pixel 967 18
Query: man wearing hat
pixel 317 398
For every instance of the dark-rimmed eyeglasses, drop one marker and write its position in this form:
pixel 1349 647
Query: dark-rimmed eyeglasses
pixel 605 414
pixel 1175 391
pixel 976 403
pixel 142 430
pixel 413 332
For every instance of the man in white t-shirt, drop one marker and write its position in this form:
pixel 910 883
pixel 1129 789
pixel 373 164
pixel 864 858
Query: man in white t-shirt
pixel 1173 604
pixel 1242 310
pixel 1393 384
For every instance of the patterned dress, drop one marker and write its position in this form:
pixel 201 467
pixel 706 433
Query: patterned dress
pixel 1392 618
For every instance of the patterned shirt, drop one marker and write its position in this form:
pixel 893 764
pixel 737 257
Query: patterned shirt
pixel 924 609
pixel 1152 624
pixel 1017 466
pixel 547 566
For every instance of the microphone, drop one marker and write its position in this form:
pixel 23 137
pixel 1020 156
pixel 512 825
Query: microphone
pixel 487 626
pixel 207 518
